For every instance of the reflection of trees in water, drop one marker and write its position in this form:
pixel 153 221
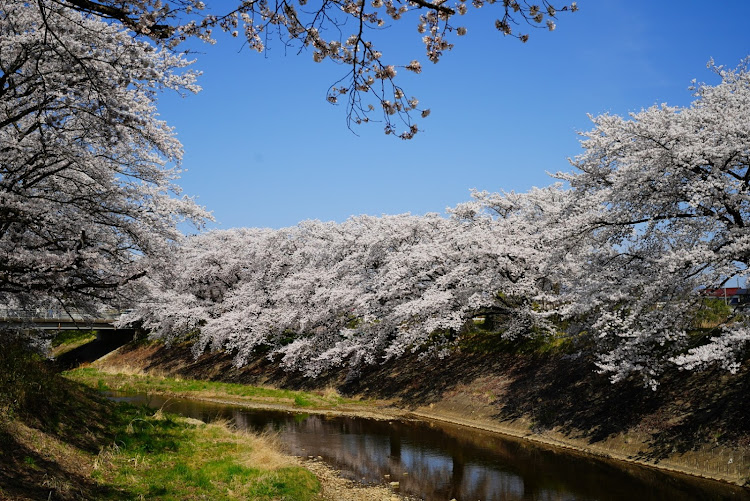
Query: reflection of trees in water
pixel 359 454
pixel 395 441
pixel 366 453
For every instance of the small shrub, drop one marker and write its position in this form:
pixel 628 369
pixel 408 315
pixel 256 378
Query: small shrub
pixel 301 401
pixel 712 313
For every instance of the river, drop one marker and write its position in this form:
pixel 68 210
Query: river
pixel 438 461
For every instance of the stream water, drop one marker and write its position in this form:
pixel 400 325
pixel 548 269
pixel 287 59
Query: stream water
pixel 436 461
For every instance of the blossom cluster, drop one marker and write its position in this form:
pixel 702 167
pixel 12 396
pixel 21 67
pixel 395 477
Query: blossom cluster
pixel 362 291
pixel 670 190
pixel 369 79
pixel 87 166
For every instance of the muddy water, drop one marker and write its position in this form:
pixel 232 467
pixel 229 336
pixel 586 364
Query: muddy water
pixel 434 461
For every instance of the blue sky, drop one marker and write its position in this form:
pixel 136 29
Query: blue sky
pixel 264 148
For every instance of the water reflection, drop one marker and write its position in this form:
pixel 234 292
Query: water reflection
pixel 442 462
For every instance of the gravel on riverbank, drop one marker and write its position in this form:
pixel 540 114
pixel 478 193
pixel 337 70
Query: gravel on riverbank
pixel 336 488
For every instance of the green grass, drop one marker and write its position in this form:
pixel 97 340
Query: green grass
pixel 210 389
pixel 66 341
pixel 302 401
pixel 72 337
pixel 60 439
pixel 164 457
pixel 482 341
pixel 712 312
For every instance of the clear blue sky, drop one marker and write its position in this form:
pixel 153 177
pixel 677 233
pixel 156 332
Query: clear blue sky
pixel 264 148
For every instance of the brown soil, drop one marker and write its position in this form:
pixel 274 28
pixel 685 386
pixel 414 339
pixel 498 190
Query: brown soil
pixel 696 423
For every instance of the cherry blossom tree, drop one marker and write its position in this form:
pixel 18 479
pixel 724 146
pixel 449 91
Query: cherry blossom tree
pixel 87 169
pixel 369 289
pixel 340 31
pixel 668 206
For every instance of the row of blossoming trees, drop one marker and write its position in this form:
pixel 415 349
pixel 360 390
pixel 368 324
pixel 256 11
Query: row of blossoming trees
pixel 656 209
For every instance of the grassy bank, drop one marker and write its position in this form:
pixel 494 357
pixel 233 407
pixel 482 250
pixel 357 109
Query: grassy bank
pixel 162 456
pixel 210 390
pixel 60 440
pixel 67 341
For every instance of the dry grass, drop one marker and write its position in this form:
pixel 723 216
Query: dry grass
pixel 128 370
pixel 47 447
pixel 264 449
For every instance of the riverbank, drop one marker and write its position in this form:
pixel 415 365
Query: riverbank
pixel 60 439
pixel 696 424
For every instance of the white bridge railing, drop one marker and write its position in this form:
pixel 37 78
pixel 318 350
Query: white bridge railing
pixel 55 314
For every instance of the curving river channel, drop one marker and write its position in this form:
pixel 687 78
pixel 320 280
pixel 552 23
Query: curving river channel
pixel 437 461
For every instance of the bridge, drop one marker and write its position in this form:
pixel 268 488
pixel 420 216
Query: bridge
pixel 108 337
pixel 57 319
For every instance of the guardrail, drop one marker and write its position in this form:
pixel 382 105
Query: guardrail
pixel 54 318
pixel 20 314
